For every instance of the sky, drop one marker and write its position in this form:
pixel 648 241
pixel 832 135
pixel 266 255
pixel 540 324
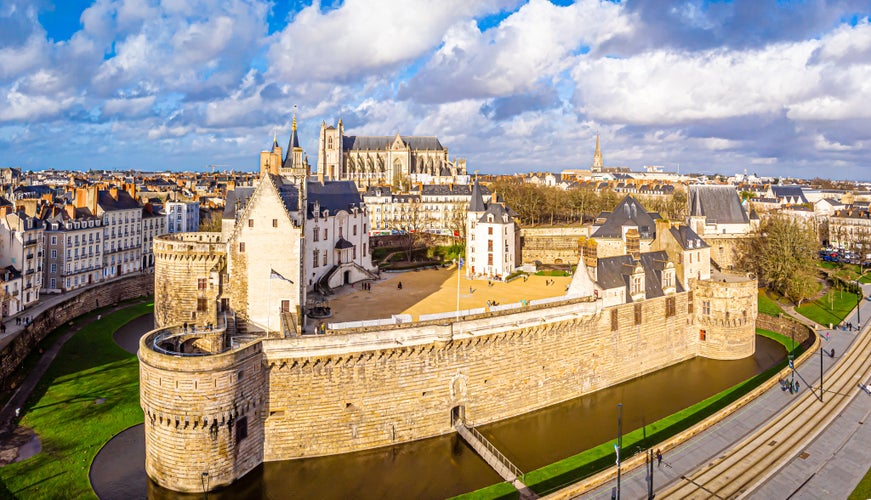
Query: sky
pixel 771 87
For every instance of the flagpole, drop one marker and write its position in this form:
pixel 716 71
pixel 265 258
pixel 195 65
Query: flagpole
pixel 268 300
pixel 459 268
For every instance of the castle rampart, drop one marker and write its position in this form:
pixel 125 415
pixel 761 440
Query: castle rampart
pixel 320 395
pixel 188 269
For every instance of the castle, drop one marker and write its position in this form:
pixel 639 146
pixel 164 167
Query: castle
pixel 231 378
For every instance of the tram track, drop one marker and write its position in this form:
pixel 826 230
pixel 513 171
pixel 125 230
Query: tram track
pixel 749 463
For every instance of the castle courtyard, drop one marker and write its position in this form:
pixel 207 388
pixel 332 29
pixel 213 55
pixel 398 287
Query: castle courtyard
pixel 433 291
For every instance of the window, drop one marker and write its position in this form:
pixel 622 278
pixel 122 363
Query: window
pixel 354 253
pixel 241 429
pixel 489 259
pixel 706 307
pixel 274 222
pixel 250 222
pixel 614 323
pixel 702 335
pixel 54 240
pixel 341 232
pixel 690 302
pixel 669 307
pixel 355 230
pixel 315 255
pixel 325 257
pixel 637 314
pixel 489 230
pixel 54 254
pixel 52 269
pixel 202 305
pixel 201 284
pixel 489 245
pixel 317 234
pixel 241 247
pixel 325 234
pixel 364 249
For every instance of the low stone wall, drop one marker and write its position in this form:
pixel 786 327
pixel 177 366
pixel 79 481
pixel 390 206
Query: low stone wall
pixel 784 325
pixel 14 354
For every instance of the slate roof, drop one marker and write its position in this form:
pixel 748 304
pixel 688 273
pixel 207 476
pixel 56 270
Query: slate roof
pixel 381 142
pixel 497 210
pixel 476 203
pixel 628 212
pixel 718 204
pixel 236 198
pixel 451 190
pixel 343 243
pixel 614 272
pixel 124 201
pixel 794 192
pixel 333 196
pixel 688 238
pixel 291 144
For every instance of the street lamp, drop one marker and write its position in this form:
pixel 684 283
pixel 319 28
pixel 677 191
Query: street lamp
pixel 205 480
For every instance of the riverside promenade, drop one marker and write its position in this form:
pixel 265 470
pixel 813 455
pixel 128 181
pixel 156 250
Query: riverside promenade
pixel 830 465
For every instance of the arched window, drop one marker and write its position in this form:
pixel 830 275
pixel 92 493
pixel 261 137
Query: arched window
pixel 329 143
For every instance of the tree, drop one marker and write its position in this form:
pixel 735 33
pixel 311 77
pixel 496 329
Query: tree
pixel 413 221
pixel 211 222
pixel 782 253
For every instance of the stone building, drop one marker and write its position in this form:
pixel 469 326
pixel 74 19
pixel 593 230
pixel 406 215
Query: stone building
pixel 385 160
pixel 716 214
pixel 491 238
pixel 21 246
pixel 73 249
pixel 182 216
pixel 154 223
pixel 433 208
pixel 279 240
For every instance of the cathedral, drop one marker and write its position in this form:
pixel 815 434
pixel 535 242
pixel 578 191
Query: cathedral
pixel 386 160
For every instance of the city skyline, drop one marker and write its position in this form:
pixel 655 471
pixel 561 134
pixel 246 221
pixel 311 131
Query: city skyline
pixel 774 88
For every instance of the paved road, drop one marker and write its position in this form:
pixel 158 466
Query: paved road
pixel 829 467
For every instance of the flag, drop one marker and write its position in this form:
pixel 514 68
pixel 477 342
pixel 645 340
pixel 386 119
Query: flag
pixel 274 275
pixel 461 262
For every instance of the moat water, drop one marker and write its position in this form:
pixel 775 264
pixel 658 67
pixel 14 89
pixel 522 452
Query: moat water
pixel 445 466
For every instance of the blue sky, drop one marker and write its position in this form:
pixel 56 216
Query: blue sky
pixel 773 87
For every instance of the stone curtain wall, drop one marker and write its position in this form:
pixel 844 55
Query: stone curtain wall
pixel 322 395
pixel 337 403
pixel 555 245
pixel 28 340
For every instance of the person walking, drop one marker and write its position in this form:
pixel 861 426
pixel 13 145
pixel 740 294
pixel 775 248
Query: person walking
pixel 658 457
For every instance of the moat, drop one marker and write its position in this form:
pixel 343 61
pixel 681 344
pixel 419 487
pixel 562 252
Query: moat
pixel 445 466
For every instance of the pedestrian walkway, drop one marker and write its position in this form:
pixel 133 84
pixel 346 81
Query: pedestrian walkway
pixel 839 451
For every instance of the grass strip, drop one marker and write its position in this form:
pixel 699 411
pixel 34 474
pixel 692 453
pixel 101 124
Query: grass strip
pixel 767 305
pixel 89 393
pixel 830 308
pixel 575 468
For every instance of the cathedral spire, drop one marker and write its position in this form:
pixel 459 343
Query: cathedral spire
pixel 597 156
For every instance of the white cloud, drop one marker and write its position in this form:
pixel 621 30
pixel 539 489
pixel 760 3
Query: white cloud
pixel 536 42
pixel 16 106
pixel 364 36
pixel 134 107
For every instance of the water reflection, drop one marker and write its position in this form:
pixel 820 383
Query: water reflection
pixel 443 467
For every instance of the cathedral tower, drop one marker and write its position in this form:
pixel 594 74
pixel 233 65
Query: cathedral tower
pixel 597 157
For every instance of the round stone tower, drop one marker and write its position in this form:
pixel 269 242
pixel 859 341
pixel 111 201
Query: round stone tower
pixel 188 270
pixel 204 412
pixel 725 310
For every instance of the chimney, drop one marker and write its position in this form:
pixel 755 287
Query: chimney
pixel 81 200
pixel 321 175
pixel 131 190
pixel 591 258
pixel 149 208
pixel 71 210
pixel 4 210
pixel 633 243
pixel 113 191
pixel 493 197
pixel 662 226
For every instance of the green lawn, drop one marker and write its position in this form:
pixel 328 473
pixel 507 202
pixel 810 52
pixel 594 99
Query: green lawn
pixel 570 470
pixel 832 307
pixel 63 411
pixel 863 489
pixel 767 305
pixel 866 278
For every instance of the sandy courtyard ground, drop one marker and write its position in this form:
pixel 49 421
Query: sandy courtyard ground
pixel 433 291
